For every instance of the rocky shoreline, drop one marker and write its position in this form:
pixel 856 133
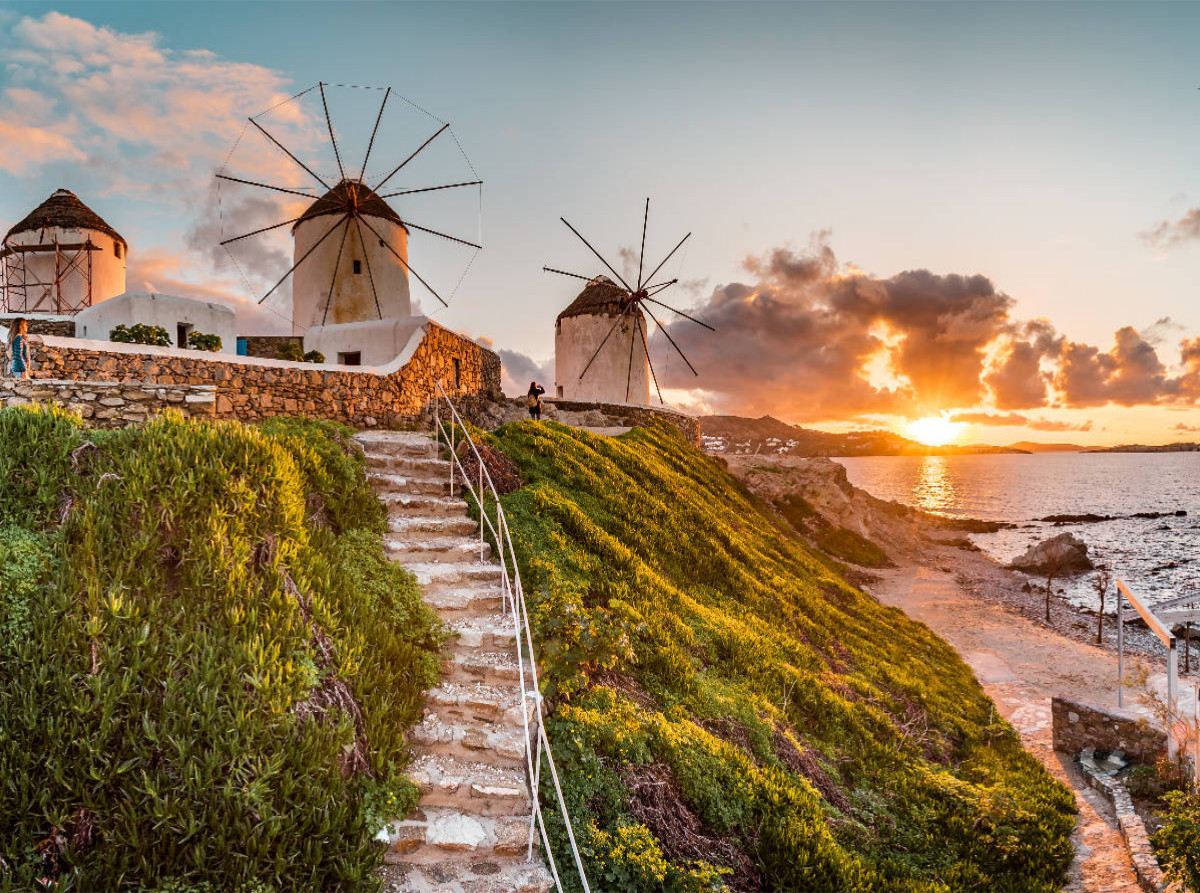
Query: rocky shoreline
pixel 913 538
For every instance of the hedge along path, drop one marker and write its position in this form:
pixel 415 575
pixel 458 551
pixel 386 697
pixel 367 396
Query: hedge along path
pixel 470 830
pixel 216 662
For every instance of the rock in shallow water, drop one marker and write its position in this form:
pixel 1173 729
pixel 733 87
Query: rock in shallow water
pixel 1065 554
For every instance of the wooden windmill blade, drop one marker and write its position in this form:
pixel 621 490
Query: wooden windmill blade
pixel 633 302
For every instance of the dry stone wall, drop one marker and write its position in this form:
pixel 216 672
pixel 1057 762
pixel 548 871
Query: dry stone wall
pixel 111 404
pixel 1077 727
pixel 62 328
pixel 626 414
pixel 268 346
pixel 251 389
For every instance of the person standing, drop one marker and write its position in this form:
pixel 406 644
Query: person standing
pixel 535 401
pixel 18 347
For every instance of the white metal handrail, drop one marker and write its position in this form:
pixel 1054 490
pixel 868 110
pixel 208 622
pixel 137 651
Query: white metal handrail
pixel 537 744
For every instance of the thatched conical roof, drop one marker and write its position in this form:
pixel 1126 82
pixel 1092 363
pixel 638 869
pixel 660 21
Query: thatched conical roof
pixel 348 194
pixel 64 209
pixel 600 297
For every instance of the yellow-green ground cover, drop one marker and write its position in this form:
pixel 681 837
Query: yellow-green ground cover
pixel 728 711
pixel 206 661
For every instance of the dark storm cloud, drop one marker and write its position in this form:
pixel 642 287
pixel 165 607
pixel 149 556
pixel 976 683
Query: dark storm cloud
pixel 807 339
pixel 798 340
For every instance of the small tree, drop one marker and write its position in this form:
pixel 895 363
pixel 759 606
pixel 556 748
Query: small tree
pixel 1100 583
pixel 1055 561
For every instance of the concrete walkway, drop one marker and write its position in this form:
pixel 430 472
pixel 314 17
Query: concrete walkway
pixel 1021 665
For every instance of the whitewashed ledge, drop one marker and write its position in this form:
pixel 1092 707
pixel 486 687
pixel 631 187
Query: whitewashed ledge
pixel 111 404
pixel 1133 831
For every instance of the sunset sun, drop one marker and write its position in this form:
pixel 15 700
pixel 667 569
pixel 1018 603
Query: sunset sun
pixel 934 430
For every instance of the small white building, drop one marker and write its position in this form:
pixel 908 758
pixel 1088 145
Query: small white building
pixel 620 372
pixel 369 254
pixel 61 258
pixel 179 316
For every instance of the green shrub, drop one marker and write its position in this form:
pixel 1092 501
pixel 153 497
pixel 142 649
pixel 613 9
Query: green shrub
pixel 294 353
pixel 202 341
pixel 1177 842
pixel 139 333
pixel 220 661
pixel 798 734
pixel 25 564
pixel 1153 782
pixel 291 351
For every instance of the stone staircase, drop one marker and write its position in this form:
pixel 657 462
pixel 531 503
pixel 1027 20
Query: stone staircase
pixel 470 831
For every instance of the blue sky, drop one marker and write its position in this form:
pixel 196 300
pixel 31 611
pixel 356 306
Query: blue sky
pixel 1033 144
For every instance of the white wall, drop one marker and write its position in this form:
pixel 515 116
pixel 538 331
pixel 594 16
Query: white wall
pixel 353 300
pixel 576 339
pixel 154 309
pixel 108 270
pixel 378 341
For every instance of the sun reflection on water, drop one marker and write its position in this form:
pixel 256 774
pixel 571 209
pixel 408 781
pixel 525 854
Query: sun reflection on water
pixel 934 489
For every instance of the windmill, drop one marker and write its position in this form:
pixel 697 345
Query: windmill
pixel 350 247
pixel 589 314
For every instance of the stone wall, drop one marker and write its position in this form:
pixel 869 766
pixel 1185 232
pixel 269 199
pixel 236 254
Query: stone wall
pixel 62 328
pixel 267 346
pixel 1077 727
pixel 111 404
pixel 250 389
pixel 1133 830
pixel 629 414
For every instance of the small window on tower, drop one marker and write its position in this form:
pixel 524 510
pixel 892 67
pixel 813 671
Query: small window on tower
pixel 357 267
pixel 117 249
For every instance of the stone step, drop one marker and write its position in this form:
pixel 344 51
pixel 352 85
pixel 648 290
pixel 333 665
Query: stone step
pixel 428 835
pixel 427 548
pixel 475 788
pixel 488 667
pixel 457 601
pixel 439 573
pixel 498 743
pixel 410 466
pixel 476 701
pixel 490 874
pixel 412 526
pixel 409 505
pixel 492 631
pixel 395 443
pixel 386 482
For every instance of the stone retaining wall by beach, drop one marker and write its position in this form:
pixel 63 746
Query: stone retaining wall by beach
pixel 630 414
pixel 250 388
pixel 1076 727
pixel 1141 853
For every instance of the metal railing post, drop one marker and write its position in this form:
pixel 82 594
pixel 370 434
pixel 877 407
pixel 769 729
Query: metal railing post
pixel 482 512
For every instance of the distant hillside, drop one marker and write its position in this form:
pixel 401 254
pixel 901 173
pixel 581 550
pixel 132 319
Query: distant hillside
pixel 728 713
pixel 734 434
pixel 1189 447
pixel 1029 446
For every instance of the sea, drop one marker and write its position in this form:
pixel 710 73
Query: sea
pixel 1156 558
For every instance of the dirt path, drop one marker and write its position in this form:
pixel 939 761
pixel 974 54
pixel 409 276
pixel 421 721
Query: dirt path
pixel 1021 665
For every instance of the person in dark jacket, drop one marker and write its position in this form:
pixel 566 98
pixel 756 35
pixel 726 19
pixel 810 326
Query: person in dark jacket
pixel 535 401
